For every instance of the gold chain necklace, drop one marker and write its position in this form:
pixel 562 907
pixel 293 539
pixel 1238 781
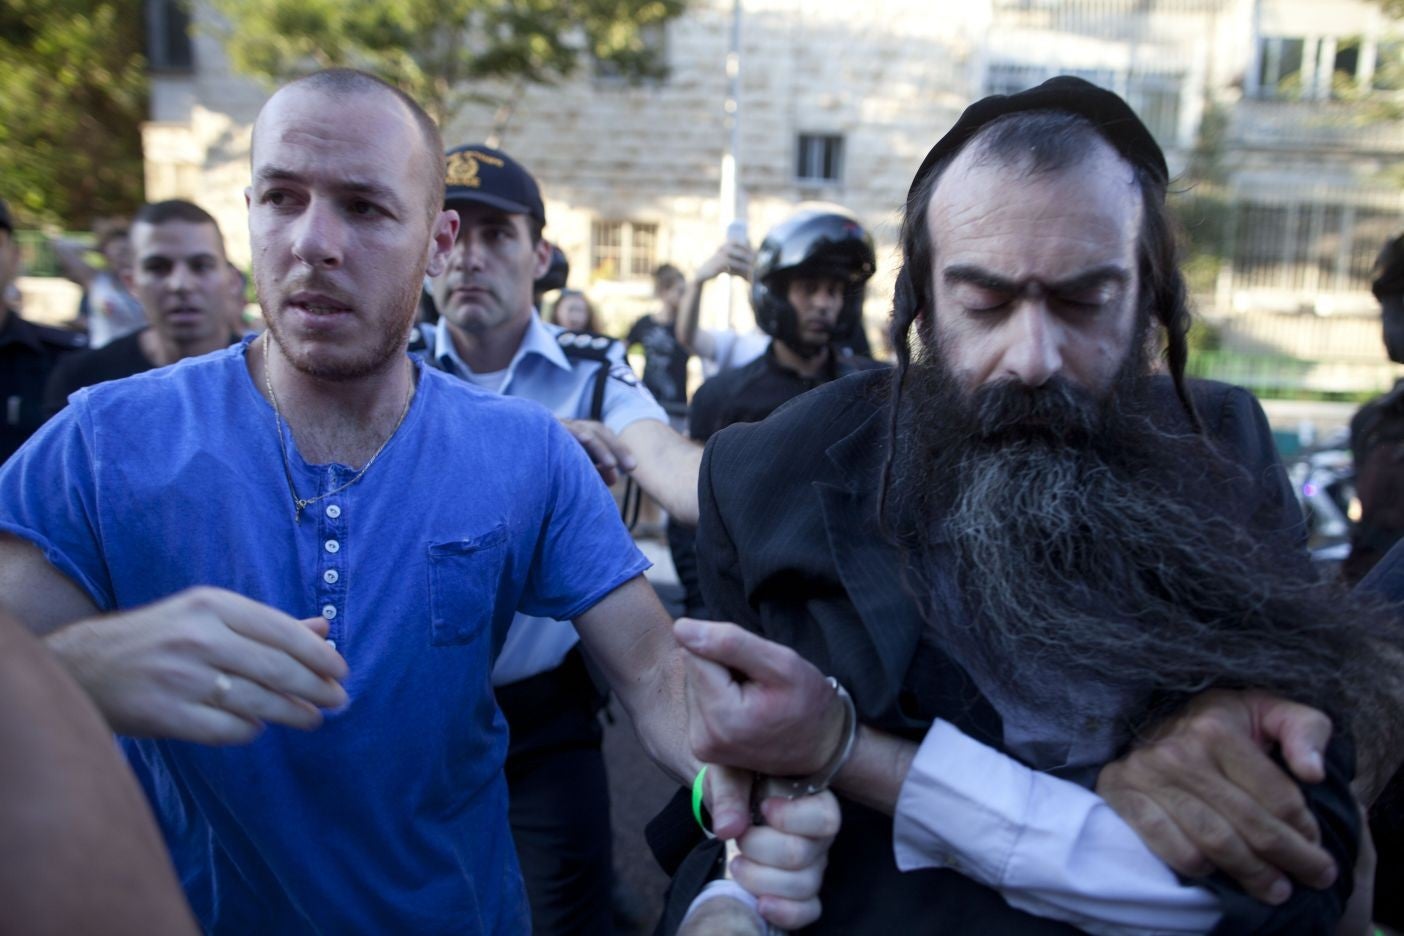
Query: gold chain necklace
pixel 300 502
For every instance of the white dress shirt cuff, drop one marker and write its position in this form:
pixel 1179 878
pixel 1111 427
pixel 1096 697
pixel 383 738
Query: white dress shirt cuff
pixel 1048 846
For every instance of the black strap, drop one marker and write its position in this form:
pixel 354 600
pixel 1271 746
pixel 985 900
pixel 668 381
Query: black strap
pixel 633 502
pixel 591 347
pixel 597 397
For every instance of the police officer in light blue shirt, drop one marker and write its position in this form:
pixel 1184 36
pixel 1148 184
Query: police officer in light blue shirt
pixel 578 377
pixel 489 333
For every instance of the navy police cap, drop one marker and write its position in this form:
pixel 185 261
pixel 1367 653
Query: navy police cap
pixel 478 173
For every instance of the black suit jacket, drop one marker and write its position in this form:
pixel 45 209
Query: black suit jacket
pixel 789 546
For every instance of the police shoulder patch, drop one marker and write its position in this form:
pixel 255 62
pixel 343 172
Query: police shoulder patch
pixel 590 347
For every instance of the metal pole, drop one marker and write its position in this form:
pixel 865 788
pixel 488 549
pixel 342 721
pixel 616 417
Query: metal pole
pixel 733 200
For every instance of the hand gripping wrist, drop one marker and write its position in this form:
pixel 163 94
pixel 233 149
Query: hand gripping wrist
pixel 818 782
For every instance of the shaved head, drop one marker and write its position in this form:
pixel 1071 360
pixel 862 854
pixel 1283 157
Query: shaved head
pixel 349 82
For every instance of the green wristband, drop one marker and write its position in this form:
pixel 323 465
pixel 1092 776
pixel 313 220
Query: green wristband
pixel 697 786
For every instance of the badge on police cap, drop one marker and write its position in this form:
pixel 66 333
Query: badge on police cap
pixel 463 168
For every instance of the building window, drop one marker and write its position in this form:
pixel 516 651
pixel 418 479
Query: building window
pixel 1345 67
pixel 1318 68
pixel 168 47
pixel 1309 247
pixel 1153 95
pixel 622 250
pixel 1280 66
pixel 1389 66
pixel 819 158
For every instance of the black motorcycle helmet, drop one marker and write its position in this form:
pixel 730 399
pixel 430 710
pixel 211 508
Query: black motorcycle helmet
pixel 556 274
pixel 822 240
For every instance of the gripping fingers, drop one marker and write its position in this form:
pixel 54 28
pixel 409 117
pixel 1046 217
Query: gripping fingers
pixel 600 455
pixel 815 817
pixel 711 702
pixel 738 649
pixel 777 849
pixel 1152 823
pixel 1301 732
pixel 1291 844
pixel 763 880
pixel 728 800
pixel 1227 850
pixel 609 455
pixel 1228 800
pixel 789 914
pixel 1268 811
pixel 1269 791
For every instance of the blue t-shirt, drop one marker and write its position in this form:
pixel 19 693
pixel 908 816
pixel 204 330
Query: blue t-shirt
pixel 392 817
pixel 542 371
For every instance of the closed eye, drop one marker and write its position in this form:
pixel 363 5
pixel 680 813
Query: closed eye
pixel 1087 299
pixel 976 299
pixel 1088 303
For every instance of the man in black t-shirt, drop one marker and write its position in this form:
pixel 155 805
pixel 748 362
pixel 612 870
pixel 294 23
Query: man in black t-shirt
pixel 665 361
pixel 187 289
pixel 807 292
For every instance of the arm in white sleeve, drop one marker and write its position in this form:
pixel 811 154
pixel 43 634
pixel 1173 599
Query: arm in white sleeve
pixel 1048 846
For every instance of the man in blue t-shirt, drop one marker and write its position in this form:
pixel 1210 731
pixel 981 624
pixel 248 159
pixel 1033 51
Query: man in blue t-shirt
pixel 387 519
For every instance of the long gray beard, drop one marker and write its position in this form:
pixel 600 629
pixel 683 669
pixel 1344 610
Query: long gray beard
pixel 1092 548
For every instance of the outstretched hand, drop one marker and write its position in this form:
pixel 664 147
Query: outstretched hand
pixel 609 455
pixel 206 665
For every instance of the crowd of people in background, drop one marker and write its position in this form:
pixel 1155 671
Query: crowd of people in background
pixel 1011 633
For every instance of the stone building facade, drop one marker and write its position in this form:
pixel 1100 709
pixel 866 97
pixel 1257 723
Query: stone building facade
pixel 1281 105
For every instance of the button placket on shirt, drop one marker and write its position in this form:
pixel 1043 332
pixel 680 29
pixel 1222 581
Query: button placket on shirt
pixel 330 584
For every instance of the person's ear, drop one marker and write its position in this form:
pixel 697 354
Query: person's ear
pixel 441 241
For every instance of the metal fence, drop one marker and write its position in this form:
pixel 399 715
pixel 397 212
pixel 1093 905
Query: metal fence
pixel 1311 241
pixel 1282 286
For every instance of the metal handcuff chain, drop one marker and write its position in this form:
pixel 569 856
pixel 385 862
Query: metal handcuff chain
pixel 795 787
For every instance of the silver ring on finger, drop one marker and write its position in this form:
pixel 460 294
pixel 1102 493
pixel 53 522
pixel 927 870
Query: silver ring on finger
pixel 222 687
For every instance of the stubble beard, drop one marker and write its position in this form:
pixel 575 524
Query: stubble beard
pixel 389 336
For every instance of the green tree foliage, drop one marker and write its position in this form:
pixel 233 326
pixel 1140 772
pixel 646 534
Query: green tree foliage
pixel 72 98
pixel 445 52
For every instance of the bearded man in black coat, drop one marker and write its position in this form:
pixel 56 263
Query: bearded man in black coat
pixel 1043 563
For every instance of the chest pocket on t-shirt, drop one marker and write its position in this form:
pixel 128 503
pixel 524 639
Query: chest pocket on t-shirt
pixel 464 577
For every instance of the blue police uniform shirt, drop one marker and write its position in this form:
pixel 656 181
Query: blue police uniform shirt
pixel 392 817
pixel 541 371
